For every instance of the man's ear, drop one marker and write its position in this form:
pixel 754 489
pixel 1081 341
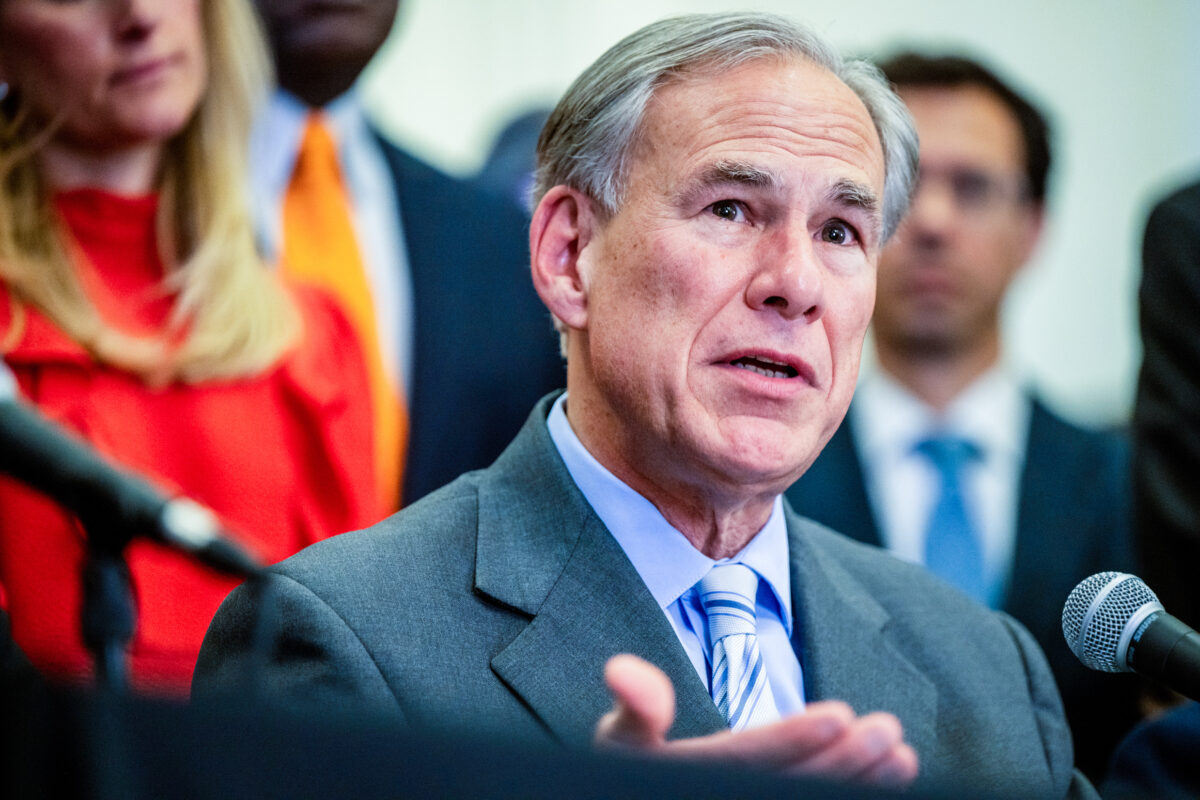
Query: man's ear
pixel 563 224
pixel 1034 225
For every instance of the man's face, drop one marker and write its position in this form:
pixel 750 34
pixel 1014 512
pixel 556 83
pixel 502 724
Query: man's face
pixel 943 276
pixel 318 32
pixel 728 298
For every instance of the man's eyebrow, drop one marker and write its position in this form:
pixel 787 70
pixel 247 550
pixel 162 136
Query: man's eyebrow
pixel 852 193
pixel 857 195
pixel 729 172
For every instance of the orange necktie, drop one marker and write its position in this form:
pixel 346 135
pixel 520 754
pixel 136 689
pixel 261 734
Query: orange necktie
pixel 321 248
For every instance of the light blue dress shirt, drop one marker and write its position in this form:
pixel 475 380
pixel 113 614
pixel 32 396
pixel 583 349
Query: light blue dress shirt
pixel 671 567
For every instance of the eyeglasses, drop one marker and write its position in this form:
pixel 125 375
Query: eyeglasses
pixel 976 192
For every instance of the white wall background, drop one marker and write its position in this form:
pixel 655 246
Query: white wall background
pixel 1120 79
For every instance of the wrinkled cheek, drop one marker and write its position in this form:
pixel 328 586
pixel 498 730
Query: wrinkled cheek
pixel 849 336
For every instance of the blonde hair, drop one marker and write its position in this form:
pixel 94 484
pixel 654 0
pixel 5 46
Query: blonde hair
pixel 231 316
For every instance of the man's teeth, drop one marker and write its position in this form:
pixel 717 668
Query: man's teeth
pixel 765 366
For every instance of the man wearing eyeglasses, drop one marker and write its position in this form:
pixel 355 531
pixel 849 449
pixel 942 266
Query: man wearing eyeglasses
pixel 945 458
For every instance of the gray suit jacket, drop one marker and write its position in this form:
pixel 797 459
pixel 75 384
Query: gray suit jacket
pixel 494 603
pixel 1072 521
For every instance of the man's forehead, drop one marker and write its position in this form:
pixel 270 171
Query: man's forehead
pixel 964 121
pixel 733 125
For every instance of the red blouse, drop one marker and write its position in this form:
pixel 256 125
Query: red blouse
pixel 283 458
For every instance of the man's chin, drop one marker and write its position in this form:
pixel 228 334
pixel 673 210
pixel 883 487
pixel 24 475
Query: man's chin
pixel 763 466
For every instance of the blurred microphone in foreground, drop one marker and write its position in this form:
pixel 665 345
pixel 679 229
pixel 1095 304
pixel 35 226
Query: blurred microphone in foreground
pixel 137 312
pixel 109 501
pixel 1113 622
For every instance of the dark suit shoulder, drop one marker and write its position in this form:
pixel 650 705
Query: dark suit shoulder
pixel 484 347
pixel 833 491
pixel 897 585
pixel 488 214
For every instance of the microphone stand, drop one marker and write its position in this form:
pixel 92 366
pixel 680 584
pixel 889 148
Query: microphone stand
pixel 108 610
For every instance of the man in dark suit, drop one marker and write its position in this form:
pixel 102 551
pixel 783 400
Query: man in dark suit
pixel 459 326
pixel 1166 417
pixel 713 194
pixel 1048 501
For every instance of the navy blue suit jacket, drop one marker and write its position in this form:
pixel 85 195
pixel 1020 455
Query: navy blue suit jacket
pixel 484 347
pixel 1159 759
pixel 1073 520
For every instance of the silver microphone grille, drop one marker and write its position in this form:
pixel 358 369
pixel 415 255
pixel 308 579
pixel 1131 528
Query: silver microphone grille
pixel 1097 614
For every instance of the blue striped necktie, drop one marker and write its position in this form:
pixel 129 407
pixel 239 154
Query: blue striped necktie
pixel 952 547
pixel 739 680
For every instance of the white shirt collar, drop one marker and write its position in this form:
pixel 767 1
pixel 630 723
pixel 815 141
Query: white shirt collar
pixel 887 417
pixel 278 129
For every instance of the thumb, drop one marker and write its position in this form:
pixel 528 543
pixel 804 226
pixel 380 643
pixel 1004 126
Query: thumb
pixel 643 705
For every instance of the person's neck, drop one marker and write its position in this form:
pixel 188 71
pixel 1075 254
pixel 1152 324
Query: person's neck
pixel 937 377
pixel 719 523
pixel 717 515
pixel 317 88
pixel 129 171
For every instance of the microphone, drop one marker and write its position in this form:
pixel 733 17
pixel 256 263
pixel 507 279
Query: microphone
pixel 1113 623
pixel 114 504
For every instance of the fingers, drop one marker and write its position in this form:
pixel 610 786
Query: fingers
pixel 644 705
pixel 826 741
pixel 778 746
pixel 870 750
pixel 895 772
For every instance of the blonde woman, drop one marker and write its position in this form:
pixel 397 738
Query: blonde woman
pixel 135 310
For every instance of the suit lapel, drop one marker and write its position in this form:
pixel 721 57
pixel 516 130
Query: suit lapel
pixel 841 638
pixel 542 551
pixel 1043 552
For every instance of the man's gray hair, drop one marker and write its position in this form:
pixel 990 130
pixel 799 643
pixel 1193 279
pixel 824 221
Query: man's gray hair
pixel 587 142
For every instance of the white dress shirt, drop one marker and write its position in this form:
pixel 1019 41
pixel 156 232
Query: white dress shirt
pixel 671 567
pixel 274 144
pixel 903 485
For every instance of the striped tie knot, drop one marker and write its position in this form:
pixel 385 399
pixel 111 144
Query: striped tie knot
pixel 728 594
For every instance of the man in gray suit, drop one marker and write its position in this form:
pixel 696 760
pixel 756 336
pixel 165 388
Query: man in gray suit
pixel 712 197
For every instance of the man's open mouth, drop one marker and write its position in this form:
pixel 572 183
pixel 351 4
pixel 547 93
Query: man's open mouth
pixel 765 366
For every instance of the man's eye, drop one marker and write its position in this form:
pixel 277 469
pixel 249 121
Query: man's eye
pixel 728 209
pixel 838 232
pixel 974 189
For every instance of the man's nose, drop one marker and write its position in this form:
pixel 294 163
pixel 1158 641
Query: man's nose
pixel 788 279
pixel 932 213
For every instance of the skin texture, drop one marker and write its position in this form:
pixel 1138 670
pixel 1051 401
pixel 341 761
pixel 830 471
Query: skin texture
pixel 115 79
pixel 321 46
pixel 751 230
pixel 944 275
pixel 742 236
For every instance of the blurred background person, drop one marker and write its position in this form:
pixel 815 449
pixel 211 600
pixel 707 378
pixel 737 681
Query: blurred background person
pixel 1158 759
pixel 508 168
pixel 945 458
pixel 135 310
pixel 1166 417
pixel 434 271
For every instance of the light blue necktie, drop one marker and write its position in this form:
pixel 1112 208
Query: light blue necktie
pixel 739 679
pixel 952 547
